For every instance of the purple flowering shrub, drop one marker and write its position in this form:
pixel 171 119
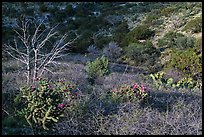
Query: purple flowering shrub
pixel 130 92
pixel 44 103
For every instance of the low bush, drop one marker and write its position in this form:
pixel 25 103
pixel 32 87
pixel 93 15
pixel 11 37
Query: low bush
pixel 119 34
pixel 101 42
pixel 93 50
pixel 176 40
pixel 187 62
pixel 151 19
pixel 168 11
pixel 112 51
pixel 198 44
pixel 125 39
pixel 121 39
pixel 194 25
pixel 81 45
pixel 142 53
pixel 169 39
pixel 185 42
pixel 126 93
pixel 44 103
pixel 69 10
pixel 43 8
pixel 122 28
pixel 139 33
pixel 97 68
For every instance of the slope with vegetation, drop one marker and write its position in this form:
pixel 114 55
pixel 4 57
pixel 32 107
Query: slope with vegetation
pixel 127 68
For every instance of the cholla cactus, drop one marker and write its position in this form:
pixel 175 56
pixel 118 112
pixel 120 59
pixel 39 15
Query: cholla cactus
pixel 112 51
pixel 45 103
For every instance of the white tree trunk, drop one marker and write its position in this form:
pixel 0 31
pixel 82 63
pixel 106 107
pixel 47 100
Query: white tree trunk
pixel 34 44
pixel 35 65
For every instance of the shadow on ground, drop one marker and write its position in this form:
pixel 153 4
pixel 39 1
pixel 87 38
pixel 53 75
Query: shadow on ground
pixel 166 100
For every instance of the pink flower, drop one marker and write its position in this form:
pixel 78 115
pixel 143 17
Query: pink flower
pixel 33 86
pixel 76 93
pixel 143 87
pixel 62 81
pixel 49 86
pixel 61 105
pixel 135 86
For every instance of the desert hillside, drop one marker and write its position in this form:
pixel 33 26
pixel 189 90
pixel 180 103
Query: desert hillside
pixel 102 68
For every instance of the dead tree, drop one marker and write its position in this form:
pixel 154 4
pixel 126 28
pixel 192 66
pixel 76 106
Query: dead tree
pixel 30 51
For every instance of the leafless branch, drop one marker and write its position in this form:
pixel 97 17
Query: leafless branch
pixel 33 55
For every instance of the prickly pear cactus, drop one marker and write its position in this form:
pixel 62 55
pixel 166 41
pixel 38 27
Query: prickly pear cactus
pixel 157 79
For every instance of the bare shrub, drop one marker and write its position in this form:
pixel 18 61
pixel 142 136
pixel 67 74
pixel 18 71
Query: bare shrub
pixel 93 50
pixel 29 47
pixel 112 51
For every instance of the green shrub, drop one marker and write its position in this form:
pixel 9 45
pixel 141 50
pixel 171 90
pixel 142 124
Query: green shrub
pixel 158 22
pixel 167 11
pixel 59 16
pixel 184 42
pixel 142 52
pixel 169 39
pixel 88 26
pixel 151 19
pixel 194 25
pixel 45 103
pixel 98 68
pixel 176 40
pixel 134 52
pixel 122 28
pixel 101 42
pixel 140 32
pixel 81 45
pixel 126 40
pixel 120 38
pixel 198 44
pixel 8 33
pixel 187 62
pixel 71 25
pixel 119 34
